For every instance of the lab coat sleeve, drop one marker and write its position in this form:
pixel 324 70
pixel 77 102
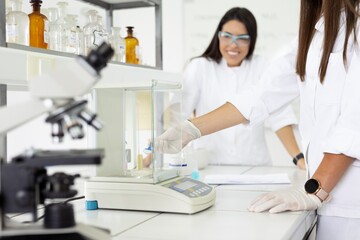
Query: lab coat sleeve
pixel 345 137
pixel 281 118
pixel 189 97
pixel 192 77
pixel 277 88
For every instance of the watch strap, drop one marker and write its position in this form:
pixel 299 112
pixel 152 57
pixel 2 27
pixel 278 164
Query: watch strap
pixel 297 158
pixel 322 195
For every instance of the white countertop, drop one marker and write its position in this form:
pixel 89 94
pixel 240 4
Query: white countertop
pixel 227 219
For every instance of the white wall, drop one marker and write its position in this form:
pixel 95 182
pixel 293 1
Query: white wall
pixel 173 35
pixel 277 23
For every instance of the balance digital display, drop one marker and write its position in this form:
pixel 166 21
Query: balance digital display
pixel 184 185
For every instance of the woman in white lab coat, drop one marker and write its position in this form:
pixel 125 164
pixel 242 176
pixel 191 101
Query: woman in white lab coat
pixel 323 66
pixel 228 66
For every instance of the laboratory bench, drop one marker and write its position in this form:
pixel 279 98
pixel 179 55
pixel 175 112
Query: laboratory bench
pixel 227 219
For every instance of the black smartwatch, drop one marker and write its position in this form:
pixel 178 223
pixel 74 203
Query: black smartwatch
pixel 313 186
pixel 297 158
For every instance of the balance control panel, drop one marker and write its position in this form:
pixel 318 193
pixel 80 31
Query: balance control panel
pixel 189 187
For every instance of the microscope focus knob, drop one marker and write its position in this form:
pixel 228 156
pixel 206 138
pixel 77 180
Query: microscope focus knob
pixel 24 198
pixel 59 215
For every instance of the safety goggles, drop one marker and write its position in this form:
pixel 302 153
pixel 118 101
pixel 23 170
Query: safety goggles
pixel 239 40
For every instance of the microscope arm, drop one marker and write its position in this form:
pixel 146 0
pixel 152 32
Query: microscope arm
pixel 67 81
pixel 57 91
pixel 16 115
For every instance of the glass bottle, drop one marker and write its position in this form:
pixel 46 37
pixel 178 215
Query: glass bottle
pixel 59 29
pixel 118 43
pixel 101 35
pixel 131 42
pixel 53 14
pixel 39 26
pixel 52 17
pixel 89 29
pixel 75 36
pixel 17 24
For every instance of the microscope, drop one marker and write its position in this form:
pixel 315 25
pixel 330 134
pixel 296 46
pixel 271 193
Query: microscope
pixel 25 184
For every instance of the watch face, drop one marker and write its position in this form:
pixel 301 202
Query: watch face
pixel 311 185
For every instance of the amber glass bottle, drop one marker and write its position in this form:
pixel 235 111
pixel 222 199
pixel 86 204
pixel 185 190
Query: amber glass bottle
pixel 39 26
pixel 131 42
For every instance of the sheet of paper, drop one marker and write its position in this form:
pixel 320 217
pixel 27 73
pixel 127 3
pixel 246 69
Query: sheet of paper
pixel 280 178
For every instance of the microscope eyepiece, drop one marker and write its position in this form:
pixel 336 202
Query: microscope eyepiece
pixel 99 57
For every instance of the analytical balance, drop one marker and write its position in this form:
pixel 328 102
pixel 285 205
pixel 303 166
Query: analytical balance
pixel 133 117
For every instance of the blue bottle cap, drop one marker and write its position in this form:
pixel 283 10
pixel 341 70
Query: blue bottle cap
pixel 91 205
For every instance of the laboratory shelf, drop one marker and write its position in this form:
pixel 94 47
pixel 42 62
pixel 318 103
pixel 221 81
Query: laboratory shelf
pixel 123 4
pixel 38 50
pixel 13 68
pixel 19 65
pixel 109 6
pixel 131 77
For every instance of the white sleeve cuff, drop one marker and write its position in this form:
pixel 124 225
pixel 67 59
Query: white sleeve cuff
pixel 250 106
pixel 344 141
pixel 281 118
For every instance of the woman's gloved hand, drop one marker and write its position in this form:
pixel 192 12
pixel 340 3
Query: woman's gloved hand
pixel 288 200
pixel 175 138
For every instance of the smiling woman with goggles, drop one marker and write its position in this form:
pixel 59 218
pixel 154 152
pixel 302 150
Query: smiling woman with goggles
pixel 240 40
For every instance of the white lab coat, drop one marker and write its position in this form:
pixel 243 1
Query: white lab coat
pixel 329 112
pixel 206 86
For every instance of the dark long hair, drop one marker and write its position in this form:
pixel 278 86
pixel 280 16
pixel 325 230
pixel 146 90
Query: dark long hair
pixel 242 15
pixel 310 12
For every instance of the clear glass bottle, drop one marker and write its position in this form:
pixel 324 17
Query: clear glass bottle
pixel 89 29
pixel 52 17
pixel 118 43
pixel 75 42
pixel 59 29
pixel 17 24
pixel 39 26
pixel 131 43
pixel 101 35
pixel 53 14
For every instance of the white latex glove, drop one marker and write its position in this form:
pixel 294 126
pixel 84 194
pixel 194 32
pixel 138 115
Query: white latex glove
pixel 288 200
pixel 175 138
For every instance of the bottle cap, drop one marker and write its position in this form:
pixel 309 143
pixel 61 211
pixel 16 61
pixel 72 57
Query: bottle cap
pixel 129 29
pixel 35 1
